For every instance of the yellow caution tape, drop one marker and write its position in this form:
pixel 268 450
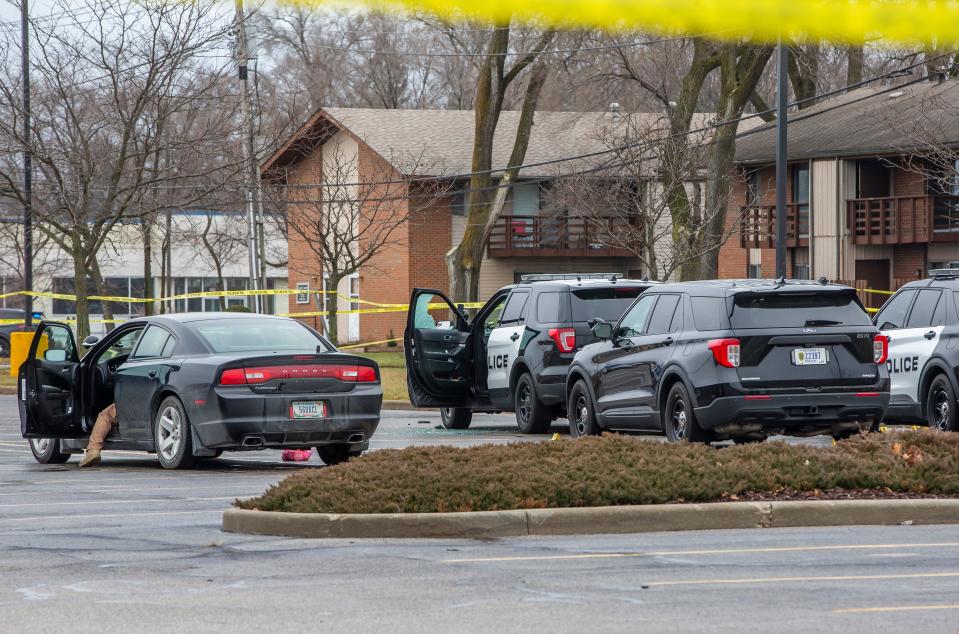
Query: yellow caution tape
pixel 873 290
pixel 369 343
pixel 905 21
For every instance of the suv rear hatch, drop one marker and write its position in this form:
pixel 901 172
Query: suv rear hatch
pixel 607 303
pixel 813 339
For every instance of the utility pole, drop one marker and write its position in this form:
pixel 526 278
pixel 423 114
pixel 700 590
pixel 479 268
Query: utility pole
pixel 252 176
pixel 782 90
pixel 27 169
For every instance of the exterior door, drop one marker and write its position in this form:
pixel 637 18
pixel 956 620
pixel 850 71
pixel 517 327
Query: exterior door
pixel 49 398
pixel 137 381
pixel 438 359
pixel 504 343
pixel 911 346
pixel 353 331
pixel 876 275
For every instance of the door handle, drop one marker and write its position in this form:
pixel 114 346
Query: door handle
pixel 152 374
pixel 930 334
pixel 514 336
pixel 668 341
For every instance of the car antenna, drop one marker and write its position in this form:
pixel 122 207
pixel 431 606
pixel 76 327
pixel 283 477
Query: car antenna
pixel 823 280
pixel 781 281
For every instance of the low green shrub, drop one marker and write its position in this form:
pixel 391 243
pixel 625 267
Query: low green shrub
pixel 613 470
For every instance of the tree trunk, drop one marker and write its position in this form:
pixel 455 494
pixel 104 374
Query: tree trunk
pixel 102 289
pixel 82 304
pixel 854 57
pixel 148 266
pixel 804 73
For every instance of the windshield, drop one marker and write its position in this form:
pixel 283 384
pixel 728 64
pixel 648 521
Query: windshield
pixel 607 304
pixel 258 335
pixel 797 310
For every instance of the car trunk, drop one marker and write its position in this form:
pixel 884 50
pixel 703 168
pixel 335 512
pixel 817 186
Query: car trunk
pixel 607 303
pixel 322 373
pixel 803 339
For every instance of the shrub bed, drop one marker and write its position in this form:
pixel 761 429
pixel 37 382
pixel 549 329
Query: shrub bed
pixel 618 470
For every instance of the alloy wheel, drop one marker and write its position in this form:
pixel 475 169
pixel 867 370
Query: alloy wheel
pixel 582 415
pixel 941 409
pixel 40 445
pixel 524 403
pixel 169 430
pixel 679 419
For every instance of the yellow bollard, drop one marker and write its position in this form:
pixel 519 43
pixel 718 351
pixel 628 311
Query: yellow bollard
pixel 19 349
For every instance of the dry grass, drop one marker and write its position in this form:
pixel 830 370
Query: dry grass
pixel 615 470
pixel 392 373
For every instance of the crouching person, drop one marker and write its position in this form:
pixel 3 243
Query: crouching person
pixel 105 423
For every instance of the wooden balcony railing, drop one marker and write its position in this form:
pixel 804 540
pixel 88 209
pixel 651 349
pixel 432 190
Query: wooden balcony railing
pixel 549 236
pixel 757 228
pixel 890 220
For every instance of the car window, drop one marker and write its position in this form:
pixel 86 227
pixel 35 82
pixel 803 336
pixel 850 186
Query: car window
pixel 430 312
pixel 607 303
pixel 552 308
pixel 709 313
pixel 797 309
pixel 169 347
pixel 677 324
pixel 492 317
pixel 151 344
pixel 265 334
pixel 893 314
pixel 515 308
pixel 122 346
pixel 662 316
pixel 923 309
pixel 56 344
pixel 633 322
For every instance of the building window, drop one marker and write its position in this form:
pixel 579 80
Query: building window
pixel 754 269
pixel 10 284
pixel 800 197
pixel 115 286
pixel 801 270
pixel 753 196
pixel 458 202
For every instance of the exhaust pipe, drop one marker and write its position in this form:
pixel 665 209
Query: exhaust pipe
pixel 253 441
pixel 355 438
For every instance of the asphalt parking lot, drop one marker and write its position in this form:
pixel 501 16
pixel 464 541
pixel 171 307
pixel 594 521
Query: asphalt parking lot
pixel 130 546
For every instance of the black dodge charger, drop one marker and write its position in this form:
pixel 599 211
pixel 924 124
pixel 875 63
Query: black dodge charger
pixel 190 386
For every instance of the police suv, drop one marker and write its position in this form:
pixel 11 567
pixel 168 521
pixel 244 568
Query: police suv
pixel 514 355
pixel 922 323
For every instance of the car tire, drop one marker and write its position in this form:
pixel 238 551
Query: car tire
pixel 532 417
pixel 335 454
pixel 4 347
pixel 941 405
pixel 47 451
pixel 172 436
pixel 679 419
pixel 582 414
pixel 456 417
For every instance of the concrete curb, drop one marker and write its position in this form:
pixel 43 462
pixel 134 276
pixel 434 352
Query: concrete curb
pixel 596 520
pixel 7 389
pixel 397 405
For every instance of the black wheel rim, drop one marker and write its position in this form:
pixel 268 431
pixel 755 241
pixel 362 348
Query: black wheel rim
pixel 940 409
pixel 447 413
pixel 524 399
pixel 581 415
pixel 679 418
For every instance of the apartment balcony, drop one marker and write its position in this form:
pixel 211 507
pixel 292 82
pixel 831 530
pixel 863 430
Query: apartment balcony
pixel 548 236
pixel 757 228
pixel 904 219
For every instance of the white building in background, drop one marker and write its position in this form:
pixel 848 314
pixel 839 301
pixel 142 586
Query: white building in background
pixel 192 264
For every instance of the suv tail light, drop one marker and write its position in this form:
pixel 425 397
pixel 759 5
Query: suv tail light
pixel 725 351
pixel 257 375
pixel 564 338
pixel 880 348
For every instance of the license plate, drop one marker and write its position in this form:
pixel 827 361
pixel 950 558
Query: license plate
pixel 810 356
pixel 308 409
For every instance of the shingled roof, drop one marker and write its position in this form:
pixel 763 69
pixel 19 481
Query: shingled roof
pixel 440 142
pixel 868 121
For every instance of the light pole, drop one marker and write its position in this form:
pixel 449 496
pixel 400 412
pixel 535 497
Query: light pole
pixel 27 169
pixel 249 156
pixel 782 94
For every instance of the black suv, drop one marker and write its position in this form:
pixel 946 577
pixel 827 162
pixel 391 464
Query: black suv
pixel 743 359
pixel 515 354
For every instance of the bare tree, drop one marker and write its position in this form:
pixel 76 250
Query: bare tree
pixel 106 90
pixel 345 218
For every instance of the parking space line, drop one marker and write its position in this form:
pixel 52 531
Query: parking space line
pixel 895 608
pixel 38 518
pixel 761 580
pixel 719 551
pixel 134 501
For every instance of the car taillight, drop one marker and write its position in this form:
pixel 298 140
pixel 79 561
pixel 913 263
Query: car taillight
pixel 880 348
pixel 725 351
pixel 257 375
pixel 564 338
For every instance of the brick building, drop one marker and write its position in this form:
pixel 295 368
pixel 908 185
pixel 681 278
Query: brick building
pixel 410 150
pixel 872 189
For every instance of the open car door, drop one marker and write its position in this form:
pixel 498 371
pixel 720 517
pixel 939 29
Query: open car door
pixel 48 389
pixel 438 360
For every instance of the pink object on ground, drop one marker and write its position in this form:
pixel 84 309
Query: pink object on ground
pixel 296 455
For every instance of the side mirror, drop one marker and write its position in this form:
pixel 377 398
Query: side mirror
pixel 56 356
pixel 91 341
pixel 603 331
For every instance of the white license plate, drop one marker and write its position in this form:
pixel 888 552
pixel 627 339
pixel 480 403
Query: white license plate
pixel 308 409
pixel 810 356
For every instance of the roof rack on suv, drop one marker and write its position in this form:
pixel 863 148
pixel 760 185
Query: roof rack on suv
pixel 944 274
pixel 546 277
